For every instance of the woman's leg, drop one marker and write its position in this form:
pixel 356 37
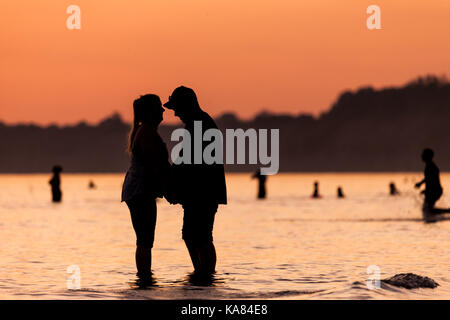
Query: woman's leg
pixel 143 261
pixel 194 254
pixel 143 217
pixel 208 258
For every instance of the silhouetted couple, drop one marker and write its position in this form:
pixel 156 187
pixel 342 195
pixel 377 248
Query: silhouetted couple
pixel 199 188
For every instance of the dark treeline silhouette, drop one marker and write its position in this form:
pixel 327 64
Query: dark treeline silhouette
pixel 79 148
pixel 366 130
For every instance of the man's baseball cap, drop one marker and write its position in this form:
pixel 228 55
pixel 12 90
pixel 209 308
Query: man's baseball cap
pixel 179 95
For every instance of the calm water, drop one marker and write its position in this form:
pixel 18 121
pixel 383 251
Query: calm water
pixel 286 247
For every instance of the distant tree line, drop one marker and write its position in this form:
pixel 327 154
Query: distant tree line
pixel 365 130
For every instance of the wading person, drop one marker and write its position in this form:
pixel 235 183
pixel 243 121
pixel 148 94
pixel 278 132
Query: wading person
pixel 200 188
pixel 433 188
pixel 340 193
pixel 316 194
pixel 261 183
pixel 55 182
pixel 393 189
pixel 145 179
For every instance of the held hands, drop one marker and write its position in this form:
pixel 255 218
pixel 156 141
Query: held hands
pixel 172 190
pixel 170 197
pixel 170 194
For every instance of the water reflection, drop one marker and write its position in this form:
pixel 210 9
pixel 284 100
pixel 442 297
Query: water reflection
pixel 288 246
pixel 144 282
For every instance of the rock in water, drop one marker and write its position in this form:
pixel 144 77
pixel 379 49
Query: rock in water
pixel 411 281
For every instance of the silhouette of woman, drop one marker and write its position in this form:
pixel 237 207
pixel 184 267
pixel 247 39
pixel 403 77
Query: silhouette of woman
pixel 55 182
pixel 145 179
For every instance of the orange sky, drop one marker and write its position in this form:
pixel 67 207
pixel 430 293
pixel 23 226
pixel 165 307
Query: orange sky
pixel 239 55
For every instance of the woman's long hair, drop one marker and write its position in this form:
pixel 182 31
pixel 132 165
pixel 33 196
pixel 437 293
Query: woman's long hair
pixel 142 107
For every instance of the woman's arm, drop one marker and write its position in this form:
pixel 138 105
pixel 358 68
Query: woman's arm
pixel 149 145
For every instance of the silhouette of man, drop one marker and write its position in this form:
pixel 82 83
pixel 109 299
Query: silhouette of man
pixel 261 184
pixel 55 182
pixel 433 188
pixel 316 190
pixel 200 188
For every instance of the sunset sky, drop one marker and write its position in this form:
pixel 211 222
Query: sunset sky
pixel 244 56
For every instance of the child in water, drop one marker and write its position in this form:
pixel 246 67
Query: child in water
pixel 433 188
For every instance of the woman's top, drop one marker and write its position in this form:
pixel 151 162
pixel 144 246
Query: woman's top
pixel 149 168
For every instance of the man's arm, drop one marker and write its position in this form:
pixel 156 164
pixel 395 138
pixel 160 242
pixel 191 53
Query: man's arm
pixel 418 184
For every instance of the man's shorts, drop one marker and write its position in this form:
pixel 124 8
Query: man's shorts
pixel 431 197
pixel 198 223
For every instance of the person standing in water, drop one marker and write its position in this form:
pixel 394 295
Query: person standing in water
pixel 200 188
pixel 316 190
pixel 393 189
pixel 55 182
pixel 433 189
pixel 261 184
pixel 340 193
pixel 145 179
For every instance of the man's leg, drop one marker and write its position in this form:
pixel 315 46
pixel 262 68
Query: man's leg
pixel 197 234
pixel 203 257
pixel 188 232
pixel 206 249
